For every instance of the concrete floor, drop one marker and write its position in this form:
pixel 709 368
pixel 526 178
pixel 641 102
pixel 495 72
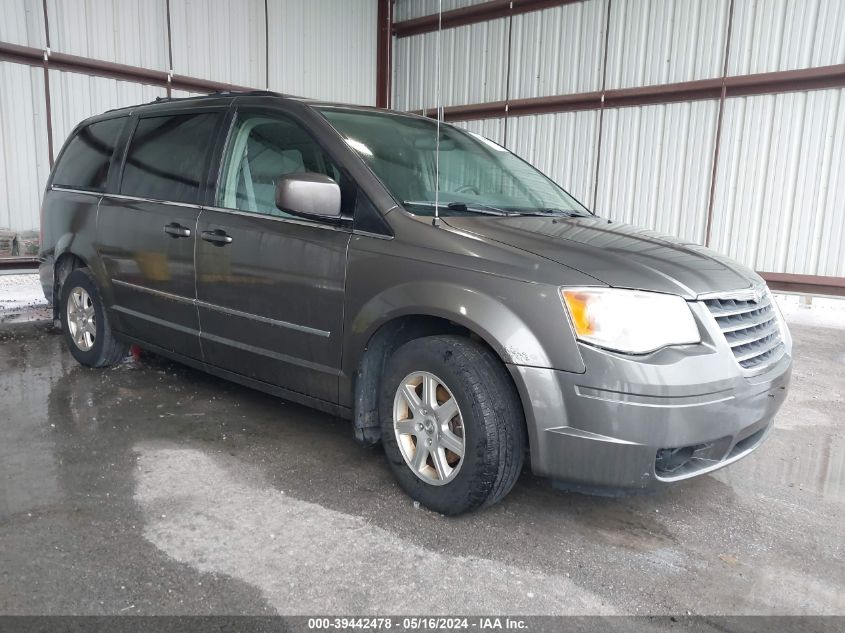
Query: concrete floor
pixel 152 488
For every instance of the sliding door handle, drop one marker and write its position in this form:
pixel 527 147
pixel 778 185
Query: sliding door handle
pixel 216 237
pixel 174 229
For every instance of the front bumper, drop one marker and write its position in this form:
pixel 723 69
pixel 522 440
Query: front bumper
pixel 603 429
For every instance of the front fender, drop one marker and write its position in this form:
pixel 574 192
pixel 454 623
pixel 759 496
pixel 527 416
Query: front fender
pixel 523 322
pixel 497 325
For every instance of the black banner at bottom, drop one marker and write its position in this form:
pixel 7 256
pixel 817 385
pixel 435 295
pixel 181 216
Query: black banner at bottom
pixel 528 624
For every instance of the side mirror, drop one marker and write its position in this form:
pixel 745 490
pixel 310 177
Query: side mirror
pixel 308 193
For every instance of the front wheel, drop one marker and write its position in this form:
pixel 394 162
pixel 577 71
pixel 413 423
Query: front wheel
pixel 85 325
pixel 452 423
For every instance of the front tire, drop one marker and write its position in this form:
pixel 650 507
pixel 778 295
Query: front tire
pixel 452 424
pixel 85 325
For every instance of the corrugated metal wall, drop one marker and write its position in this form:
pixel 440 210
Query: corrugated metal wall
pixel 325 50
pixel 23 145
pixel 779 189
pixel 410 9
pixel 655 166
pixel 553 52
pixel 219 40
pixel 122 31
pixel 23 23
pixel 473 66
pixel 780 185
pixel 786 34
pixel 664 41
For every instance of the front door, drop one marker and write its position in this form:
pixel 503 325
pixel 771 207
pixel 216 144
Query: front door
pixel 146 233
pixel 270 286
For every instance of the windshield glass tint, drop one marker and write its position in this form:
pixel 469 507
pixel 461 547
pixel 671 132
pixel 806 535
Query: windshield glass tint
pixel 476 175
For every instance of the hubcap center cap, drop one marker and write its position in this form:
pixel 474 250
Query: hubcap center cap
pixel 428 425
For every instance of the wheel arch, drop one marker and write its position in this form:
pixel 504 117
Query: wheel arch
pixel 66 262
pixel 451 310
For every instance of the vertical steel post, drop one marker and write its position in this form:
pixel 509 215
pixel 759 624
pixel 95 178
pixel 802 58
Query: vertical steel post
pixel 384 46
pixel 47 100
pixel 708 224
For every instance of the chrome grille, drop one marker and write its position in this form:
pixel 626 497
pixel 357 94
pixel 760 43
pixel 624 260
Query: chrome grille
pixel 750 328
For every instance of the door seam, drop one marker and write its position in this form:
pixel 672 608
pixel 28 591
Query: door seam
pixel 196 292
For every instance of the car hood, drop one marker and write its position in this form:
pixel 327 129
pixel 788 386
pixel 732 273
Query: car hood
pixel 619 255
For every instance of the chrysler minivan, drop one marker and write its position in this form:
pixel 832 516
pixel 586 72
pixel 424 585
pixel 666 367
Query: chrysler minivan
pixel 454 303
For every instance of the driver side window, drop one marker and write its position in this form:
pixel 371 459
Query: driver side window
pixel 262 148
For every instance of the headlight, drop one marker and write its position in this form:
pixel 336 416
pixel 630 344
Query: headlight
pixel 631 321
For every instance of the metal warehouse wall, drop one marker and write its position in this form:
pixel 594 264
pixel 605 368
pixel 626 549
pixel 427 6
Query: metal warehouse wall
pixel 408 9
pixel 654 111
pixel 324 49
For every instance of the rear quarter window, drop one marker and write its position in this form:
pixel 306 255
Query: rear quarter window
pixel 168 157
pixel 84 164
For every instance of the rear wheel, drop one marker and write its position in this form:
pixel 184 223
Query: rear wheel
pixel 85 325
pixel 452 424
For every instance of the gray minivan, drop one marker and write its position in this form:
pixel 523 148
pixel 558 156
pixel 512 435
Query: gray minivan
pixel 307 249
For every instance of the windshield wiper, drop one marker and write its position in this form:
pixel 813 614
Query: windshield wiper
pixel 472 207
pixel 569 213
pixel 478 207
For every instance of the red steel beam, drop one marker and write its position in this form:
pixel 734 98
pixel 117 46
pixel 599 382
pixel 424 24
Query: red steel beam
pixel 698 90
pixel 384 44
pixel 473 14
pixel 25 262
pixel 100 68
pixel 805 284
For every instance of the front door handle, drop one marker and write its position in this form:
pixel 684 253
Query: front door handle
pixel 174 229
pixel 216 237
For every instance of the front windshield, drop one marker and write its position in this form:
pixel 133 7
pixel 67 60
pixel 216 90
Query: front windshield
pixel 476 175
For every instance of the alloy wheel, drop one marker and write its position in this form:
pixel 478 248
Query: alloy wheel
pixel 81 319
pixel 429 428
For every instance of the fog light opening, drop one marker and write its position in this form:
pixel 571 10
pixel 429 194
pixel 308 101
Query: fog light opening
pixel 670 460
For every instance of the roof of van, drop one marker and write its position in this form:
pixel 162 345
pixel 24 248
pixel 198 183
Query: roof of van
pixel 238 93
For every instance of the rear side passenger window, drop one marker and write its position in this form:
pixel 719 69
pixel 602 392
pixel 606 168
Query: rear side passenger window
pixel 168 157
pixel 84 163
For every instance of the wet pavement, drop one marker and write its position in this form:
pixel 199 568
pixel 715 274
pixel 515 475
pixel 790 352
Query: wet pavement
pixel 21 297
pixel 153 488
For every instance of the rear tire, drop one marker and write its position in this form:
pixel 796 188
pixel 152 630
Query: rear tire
pixel 85 325
pixel 424 382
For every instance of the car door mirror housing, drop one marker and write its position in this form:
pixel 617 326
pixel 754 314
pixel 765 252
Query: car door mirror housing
pixel 308 193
